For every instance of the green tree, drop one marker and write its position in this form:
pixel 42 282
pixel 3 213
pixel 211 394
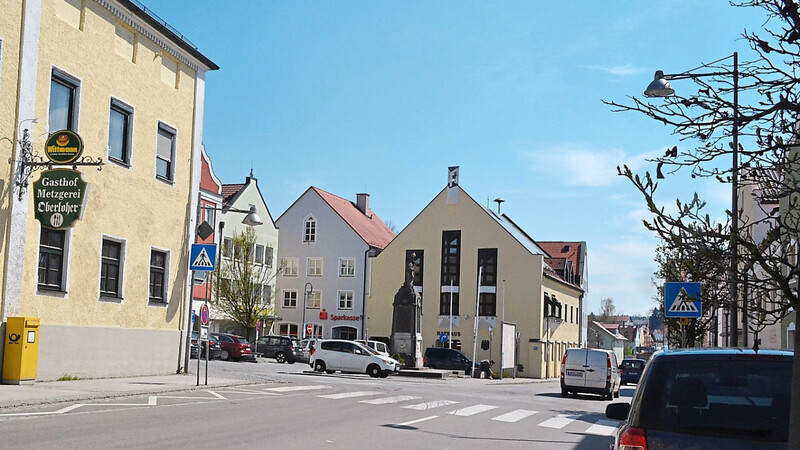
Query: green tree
pixel 767 168
pixel 239 292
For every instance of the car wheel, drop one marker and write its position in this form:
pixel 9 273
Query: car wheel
pixel 291 362
pixel 280 357
pixel 319 366
pixel 330 371
pixel 374 371
pixel 224 355
pixel 564 393
pixel 616 394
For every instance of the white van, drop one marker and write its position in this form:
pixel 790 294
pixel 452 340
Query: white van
pixel 378 346
pixel 348 356
pixel 590 370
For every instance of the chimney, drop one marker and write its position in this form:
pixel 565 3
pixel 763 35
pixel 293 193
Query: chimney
pixel 362 201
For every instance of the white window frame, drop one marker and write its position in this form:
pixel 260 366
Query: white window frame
pixel 123 253
pixel 166 277
pixel 65 264
pixel 291 268
pixel 255 254
pixel 310 229
pixel 343 267
pixel 284 293
pixel 66 77
pixel 266 291
pixel 116 103
pixel 228 242
pixel 339 303
pixel 314 300
pixel 170 178
pixel 316 273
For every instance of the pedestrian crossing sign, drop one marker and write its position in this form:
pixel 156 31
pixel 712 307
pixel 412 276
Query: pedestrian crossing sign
pixel 682 300
pixel 203 257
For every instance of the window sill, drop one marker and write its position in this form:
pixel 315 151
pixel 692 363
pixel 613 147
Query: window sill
pixel 50 292
pixel 110 299
pixel 165 180
pixel 157 303
pixel 119 162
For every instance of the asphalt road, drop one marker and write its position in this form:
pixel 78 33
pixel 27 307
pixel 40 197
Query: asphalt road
pixel 287 408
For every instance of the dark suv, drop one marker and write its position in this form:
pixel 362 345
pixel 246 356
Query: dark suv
pixel 282 348
pixel 447 359
pixel 709 399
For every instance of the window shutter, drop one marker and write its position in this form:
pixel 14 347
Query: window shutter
pixel 164 145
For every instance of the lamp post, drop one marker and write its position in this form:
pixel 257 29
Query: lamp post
pixel 307 291
pixel 660 87
pixel 251 219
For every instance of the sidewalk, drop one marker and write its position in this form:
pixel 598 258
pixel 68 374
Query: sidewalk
pixel 47 392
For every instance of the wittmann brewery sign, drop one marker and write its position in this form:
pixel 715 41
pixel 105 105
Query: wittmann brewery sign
pixel 58 197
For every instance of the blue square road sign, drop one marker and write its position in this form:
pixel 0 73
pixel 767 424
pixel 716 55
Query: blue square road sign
pixel 203 257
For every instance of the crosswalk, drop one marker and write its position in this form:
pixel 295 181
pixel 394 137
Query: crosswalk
pixel 452 408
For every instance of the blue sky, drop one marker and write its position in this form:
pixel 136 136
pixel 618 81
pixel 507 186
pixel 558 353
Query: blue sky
pixel 381 97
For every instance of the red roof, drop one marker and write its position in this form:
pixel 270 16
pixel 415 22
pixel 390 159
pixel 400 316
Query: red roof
pixel 559 249
pixel 229 190
pixel 369 226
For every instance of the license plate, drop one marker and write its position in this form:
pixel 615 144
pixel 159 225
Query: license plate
pixel 574 373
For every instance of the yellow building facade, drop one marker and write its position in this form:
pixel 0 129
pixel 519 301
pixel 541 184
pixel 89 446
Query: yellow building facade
pixel 112 290
pixel 453 239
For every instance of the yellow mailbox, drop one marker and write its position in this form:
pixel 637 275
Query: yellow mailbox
pixel 21 350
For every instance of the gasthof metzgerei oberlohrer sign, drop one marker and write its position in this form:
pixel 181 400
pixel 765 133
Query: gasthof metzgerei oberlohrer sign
pixel 58 197
pixel 63 147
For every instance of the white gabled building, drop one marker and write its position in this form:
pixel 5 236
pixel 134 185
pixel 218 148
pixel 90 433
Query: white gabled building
pixel 326 243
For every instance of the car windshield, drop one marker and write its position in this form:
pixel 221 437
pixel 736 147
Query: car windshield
pixel 242 340
pixel 371 351
pixel 632 364
pixel 731 397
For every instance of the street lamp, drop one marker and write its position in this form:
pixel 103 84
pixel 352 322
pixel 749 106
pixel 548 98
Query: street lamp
pixel 307 291
pixel 660 87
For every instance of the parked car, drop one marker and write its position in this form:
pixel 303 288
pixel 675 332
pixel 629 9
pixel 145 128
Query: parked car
pixel 215 347
pixel 194 348
pixel 709 399
pixel 630 370
pixel 234 347
pixel 378 346
pixel 305 349
pixel 590 370
pixel 348 356
pixel 447 359
pixel 282 348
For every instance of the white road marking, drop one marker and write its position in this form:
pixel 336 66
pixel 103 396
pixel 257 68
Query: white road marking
pixel 603 427
pixel 348 395
pixel 559 421
pixel 387 400
pixel 216 395
pixel 514 416
pixel 431 405
pixel 44 413
pixel 405 424
pixel 472 410
pixel 297 388
pixel 235 390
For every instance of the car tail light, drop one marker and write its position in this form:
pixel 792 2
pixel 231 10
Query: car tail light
pixel 632 439
pixel 563 363
pixel 608 368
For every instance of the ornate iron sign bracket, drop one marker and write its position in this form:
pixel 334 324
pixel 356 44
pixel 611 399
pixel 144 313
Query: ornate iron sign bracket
pixel 30 162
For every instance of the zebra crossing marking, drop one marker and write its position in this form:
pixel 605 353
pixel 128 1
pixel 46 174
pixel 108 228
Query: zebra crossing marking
pixel 559 421
pixel 348 395
pixel 412 422
pixel 298 388
pixel 472 410
pixel 387 400
pixel 603 427
pixel 514 416
pixel 431 405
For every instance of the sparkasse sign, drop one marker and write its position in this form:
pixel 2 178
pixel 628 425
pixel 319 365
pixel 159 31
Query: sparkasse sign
pixel 58 197
pixel 63 147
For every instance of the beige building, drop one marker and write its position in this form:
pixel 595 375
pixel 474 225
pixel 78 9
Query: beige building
pixel 448 243
pixel 111 291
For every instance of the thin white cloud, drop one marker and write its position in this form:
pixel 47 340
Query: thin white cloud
pixel 623 270
pixel 582 165
pixel 622 71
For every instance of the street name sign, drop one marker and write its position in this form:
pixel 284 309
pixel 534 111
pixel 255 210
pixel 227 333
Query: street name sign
pixel 58 197
pixel 203 257
pixel 682 300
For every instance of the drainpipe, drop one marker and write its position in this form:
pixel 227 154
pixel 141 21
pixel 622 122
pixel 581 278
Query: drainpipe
pixel 364 297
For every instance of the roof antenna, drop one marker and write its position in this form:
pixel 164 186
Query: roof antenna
pixel 499 200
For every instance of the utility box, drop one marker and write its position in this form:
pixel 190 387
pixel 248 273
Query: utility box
pixel 21 350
